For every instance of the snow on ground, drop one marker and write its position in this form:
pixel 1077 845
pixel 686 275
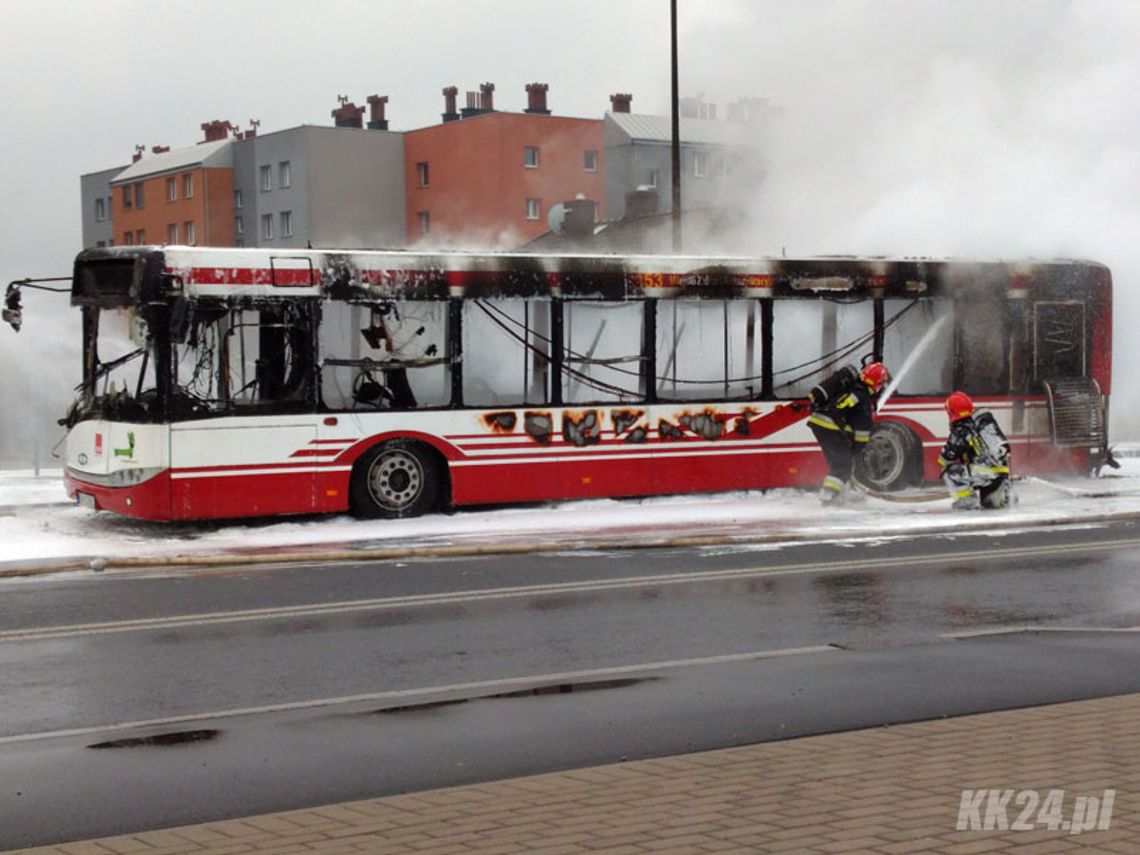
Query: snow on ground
pixel 38 526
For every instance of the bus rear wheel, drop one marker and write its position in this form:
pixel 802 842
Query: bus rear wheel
pixel 892 459
pixel 396 479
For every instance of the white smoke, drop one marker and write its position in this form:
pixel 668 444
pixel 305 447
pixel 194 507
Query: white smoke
pixel 970 129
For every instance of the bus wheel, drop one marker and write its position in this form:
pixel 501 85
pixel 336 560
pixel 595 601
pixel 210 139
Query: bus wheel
pixel 396 479
pixel 892 458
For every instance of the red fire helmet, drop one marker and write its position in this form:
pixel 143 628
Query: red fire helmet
pixel 959 405
pixel 875 375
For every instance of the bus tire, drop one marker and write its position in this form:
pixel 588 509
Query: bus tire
pixel 400 478
pixel 892 458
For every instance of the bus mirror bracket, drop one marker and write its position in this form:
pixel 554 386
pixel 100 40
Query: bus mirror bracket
pixel 13 312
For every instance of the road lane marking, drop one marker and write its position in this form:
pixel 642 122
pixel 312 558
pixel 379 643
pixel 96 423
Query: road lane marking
pixel 554 588
pixel 533 680
pixel 1029 627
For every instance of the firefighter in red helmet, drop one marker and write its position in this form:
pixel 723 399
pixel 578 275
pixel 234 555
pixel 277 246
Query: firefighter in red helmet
pixel 975 460
pixel 842 414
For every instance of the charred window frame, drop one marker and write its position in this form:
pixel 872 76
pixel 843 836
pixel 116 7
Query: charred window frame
pixel 983 336
pixel 811 335
pixel 602 352
pixel 382 354
pixel 507 352
pixel 708 349
pixel 245 355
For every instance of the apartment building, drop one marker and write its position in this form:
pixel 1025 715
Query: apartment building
pixel 482 178
pixel 182 196
pixel 487 179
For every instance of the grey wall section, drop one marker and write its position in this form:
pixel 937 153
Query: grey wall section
pixel 93 186
pixel 356 188
pixel 245 188
pixel 272 150
pixel 631 162
pixel 347 188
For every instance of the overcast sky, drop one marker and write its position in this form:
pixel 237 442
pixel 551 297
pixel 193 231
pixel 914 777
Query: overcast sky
pixel 910 127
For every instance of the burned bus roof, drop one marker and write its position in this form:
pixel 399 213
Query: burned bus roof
pixel 354 275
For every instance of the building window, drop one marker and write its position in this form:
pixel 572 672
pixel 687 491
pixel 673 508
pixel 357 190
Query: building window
pixel 285 174
pixel 237 200
pixel 127 197
pixel 128 239
pixel 171 190
pixel 100 209
pixel 266 177
pixel 532 208
pixel 590 161
pixel 188 185
pixel 700 164
pixel 267 227
pixel 286 224
pixel 110 210
pixel 172 233
pixel 425 222
pixel 654 178
pixel 140 237
pixel 530 157
pixel 423 176
pixel 239 226
pixel 138 195
pixel 188 234
pixel 100 243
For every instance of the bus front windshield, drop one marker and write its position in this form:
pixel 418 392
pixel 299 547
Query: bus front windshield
pixel 219 358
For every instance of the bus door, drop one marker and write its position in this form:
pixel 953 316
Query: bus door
pixel 248 445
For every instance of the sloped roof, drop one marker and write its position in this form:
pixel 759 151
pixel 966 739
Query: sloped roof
pixel 646 128
pixel 651 234
pixel 214 154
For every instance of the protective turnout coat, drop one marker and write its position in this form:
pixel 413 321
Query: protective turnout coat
pixel 976 462
pixel 842 415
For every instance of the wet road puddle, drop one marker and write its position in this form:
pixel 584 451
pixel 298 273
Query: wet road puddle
pixel 163 740
pixel 536 691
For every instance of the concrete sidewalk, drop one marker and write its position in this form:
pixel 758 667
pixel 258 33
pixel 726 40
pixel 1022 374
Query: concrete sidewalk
pixel 975 784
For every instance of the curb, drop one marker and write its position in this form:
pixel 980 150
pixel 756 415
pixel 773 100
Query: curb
pixel 49 566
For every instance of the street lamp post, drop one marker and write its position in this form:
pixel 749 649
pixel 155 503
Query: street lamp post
pixel 676 132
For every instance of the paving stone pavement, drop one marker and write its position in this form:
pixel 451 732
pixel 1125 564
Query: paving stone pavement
pixel 974 784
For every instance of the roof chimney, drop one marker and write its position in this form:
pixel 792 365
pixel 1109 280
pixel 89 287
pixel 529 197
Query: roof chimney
pixel 137 156
pixel 620 102
pixel 348 115
pixel 254 124
pixel 449 93
pixel 376 120
pixel 216 130
pixel 641 202
pixel 536 98
pixel 479 102
pixel 579 221
pixel 159 149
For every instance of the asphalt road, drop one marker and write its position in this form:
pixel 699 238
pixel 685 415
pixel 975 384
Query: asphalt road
pixel 140 700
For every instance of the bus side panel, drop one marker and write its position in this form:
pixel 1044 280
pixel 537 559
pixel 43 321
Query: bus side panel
pixel 224 468
pixel 1100 359
pixel 620 451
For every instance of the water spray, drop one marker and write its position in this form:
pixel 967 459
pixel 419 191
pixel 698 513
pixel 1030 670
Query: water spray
pixel 918 351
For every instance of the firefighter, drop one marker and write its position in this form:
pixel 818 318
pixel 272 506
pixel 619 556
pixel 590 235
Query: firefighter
pixel 975 460
pixel 842 413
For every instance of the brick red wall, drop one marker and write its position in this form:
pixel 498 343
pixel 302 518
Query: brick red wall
pixel 479 184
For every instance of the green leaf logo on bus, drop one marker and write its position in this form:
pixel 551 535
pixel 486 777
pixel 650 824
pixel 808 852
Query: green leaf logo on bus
pixel 129 451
